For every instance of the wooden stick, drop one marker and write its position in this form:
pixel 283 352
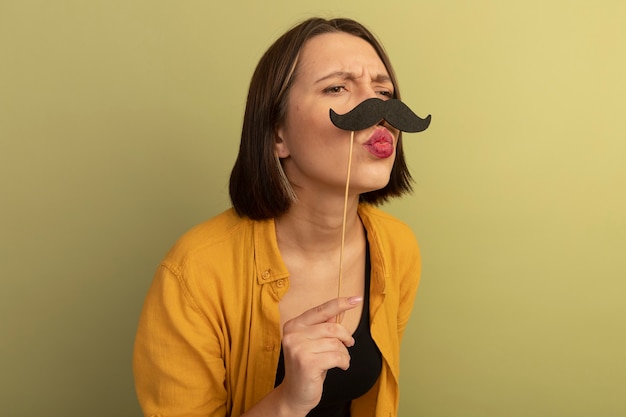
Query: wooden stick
pixel 345 214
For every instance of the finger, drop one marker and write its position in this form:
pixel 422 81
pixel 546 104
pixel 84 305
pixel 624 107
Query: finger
pixel 332 330
pixel 328 310
pixel 320 354
pixel 295 334
pixel 333 359
pixel 337 319
pixel 327 345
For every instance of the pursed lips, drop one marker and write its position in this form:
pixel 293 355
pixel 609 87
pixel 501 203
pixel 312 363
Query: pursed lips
pixel 380 143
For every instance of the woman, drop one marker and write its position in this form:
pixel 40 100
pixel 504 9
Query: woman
pixel 244 317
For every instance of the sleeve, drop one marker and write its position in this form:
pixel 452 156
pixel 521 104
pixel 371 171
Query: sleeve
pixel 412 261
pixel 177 362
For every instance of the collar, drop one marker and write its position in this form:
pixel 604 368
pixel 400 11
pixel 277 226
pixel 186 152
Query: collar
pixel 267 259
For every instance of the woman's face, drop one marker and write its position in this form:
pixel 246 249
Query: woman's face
pixel 335 71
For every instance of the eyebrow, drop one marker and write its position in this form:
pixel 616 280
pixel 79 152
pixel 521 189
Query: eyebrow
pixel 349 75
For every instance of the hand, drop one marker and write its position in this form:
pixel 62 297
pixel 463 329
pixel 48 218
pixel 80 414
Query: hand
pixel 313 343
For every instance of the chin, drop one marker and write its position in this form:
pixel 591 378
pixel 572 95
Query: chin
pixel 371 185
pixel 372 179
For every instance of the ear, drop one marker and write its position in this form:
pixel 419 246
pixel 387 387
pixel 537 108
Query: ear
pixel 280 146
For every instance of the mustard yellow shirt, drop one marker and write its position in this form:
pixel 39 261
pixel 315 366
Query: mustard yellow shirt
pixel 208 339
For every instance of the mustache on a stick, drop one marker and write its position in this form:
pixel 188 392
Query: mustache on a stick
pixel 374 110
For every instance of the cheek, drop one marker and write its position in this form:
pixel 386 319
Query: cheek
pixel 314 129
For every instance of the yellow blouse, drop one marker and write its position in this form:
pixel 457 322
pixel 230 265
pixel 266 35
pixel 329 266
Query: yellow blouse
pixel 208 339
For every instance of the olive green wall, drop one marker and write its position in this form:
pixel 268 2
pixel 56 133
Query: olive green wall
pixel 119 124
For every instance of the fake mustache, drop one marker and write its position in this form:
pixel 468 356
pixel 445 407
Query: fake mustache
pixel 373 110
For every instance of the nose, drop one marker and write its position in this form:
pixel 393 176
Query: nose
pixel 368 92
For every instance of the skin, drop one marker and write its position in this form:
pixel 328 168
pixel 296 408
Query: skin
pixel 338 71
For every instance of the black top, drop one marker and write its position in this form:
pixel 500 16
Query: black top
pixel 341 387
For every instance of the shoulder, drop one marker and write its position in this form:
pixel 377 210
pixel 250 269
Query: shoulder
pixel 386 227
pixel 210 239
pixel 391 240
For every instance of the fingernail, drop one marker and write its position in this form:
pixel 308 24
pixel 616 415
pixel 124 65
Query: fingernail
pixel 355 300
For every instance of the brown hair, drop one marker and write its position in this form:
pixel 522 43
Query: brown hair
pixel 256 187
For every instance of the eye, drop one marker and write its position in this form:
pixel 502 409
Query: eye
pixel 335 89
pixel 386 93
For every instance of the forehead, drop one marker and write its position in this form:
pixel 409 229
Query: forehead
pixel 338 52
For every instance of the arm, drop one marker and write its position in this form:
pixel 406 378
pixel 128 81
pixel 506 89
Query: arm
pixel 177 362
pixel 409 283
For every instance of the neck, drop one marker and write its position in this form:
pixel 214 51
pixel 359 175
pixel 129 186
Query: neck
pixel 316 225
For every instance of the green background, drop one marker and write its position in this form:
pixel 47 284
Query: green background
pixel 119 123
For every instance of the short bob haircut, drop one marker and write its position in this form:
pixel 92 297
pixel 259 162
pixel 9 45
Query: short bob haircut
pixel 258 188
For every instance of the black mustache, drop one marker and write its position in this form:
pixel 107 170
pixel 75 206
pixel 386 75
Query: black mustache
pixel 373 110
